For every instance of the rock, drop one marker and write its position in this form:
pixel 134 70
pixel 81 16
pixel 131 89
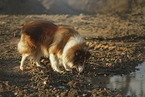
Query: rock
pixel 73 93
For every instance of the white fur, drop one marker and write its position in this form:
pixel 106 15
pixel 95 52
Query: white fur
pixel 68 66
pixel 74 40
pixel 55 63
pixel 80 68
pixel 58 59
pixel 21 45
pixel 45 51
pixel 22 61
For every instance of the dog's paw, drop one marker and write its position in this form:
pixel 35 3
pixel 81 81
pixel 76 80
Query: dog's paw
pixel 41 67
pixel 59 71
pixel 21 68
pixel 69 70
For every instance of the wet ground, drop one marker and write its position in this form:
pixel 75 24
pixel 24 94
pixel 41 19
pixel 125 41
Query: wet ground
pixel 132 84
pixel 117 46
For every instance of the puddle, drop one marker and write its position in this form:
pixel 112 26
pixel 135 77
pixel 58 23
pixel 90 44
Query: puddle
pixel 132 84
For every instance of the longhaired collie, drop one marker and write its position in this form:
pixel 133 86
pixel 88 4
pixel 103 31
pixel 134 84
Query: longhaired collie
pixel 63 45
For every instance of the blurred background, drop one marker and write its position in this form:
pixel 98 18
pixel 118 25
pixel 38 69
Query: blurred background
pixel 71 6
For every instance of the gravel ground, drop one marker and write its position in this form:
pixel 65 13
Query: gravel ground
pixel 117 45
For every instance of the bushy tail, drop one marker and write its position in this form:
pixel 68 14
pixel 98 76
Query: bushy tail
pixel 22 45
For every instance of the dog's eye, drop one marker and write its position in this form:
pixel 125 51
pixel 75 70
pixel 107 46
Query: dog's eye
pixel 77 58
pixel 77 53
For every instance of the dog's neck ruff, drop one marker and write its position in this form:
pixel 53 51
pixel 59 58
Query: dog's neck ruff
pixel 74 40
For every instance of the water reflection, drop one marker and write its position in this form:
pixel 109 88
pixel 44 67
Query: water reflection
pixel 132 84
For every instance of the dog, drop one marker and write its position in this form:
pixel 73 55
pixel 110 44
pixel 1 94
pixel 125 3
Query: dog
pixel 63 45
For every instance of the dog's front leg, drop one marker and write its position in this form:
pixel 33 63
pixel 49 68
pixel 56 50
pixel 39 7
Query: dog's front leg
pixel 55 63
pixel 67 66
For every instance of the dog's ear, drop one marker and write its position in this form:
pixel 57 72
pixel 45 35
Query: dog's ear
pixel 88 54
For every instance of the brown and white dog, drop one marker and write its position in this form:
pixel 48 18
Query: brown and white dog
pixel 63 45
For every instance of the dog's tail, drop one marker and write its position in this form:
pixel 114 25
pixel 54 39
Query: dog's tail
pixel 22 45
pixel 25 44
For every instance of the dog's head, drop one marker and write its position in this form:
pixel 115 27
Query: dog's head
pixel 80 58
pixel 77 57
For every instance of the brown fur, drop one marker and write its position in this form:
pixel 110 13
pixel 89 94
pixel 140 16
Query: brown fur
pixel 78 54
pixel 66 36
pixel 39 33
pixel 43 38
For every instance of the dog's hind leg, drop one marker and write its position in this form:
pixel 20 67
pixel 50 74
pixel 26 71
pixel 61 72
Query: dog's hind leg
pixel 24 56
pixel 37 61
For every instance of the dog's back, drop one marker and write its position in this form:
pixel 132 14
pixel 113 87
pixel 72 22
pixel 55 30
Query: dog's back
pixel 35 36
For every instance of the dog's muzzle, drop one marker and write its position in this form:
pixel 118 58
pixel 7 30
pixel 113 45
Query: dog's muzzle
pixel 80 68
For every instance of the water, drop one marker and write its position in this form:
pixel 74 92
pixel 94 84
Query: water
pixel 132 84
